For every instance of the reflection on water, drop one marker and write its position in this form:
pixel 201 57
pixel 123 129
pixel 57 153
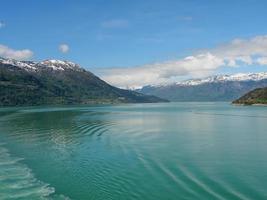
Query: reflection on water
pixel 150 151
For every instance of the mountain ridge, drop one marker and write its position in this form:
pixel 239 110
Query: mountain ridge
pixel 58 82
pixel 217 78
pixel 257 96
pixel 213 88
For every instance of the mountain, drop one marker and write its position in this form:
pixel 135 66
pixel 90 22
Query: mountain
pixel 257 96
pixel 58 82
pixel 214 88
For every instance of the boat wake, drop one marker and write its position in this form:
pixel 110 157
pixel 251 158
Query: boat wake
pixel 17 181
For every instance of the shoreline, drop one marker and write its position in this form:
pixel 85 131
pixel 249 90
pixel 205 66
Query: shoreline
pixel 253 104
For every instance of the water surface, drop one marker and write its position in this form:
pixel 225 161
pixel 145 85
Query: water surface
pixel 138 151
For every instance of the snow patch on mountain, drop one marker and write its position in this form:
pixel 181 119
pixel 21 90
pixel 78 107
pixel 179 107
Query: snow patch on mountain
pixel 57 65
pixel 224 78
pixel 217 79
pixel 60 65
pixel 27 65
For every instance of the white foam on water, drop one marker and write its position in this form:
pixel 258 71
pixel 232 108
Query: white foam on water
pixel 17 181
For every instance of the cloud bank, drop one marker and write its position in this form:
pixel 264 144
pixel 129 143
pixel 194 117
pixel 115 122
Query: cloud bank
pixel 8 52
pixel 236 53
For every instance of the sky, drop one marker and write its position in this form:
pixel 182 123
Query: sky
pixel 142 42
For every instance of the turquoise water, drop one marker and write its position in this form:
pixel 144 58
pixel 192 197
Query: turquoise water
pixel 139 151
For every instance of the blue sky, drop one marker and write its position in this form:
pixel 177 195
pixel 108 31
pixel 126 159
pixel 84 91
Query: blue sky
pixel 115 34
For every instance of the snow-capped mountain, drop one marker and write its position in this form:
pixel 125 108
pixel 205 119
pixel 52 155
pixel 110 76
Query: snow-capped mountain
pixel 58 82
pixel 27 65
pixel 57 65
pixel 223 78
pixel 213 88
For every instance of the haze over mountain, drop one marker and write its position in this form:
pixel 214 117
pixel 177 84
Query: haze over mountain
pixel 213 88
pixel 58 82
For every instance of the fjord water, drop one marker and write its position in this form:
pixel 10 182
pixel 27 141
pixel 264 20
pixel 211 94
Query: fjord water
pixel 136 151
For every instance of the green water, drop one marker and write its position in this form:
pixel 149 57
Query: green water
pixel 166 151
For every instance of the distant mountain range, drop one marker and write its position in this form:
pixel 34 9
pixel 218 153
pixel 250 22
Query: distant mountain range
pixel 214 88
pixel 257 96
pixel 58 82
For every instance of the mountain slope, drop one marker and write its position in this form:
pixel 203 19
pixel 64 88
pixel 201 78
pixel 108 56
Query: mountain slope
pixel 58 82
pixel 215 88
pixel 257 96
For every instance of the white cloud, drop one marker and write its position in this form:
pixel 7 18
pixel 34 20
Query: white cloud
pixel 115 23
pixel 135 77
pixel 262 61
pixel 2 24
pixel 7 52
pixel 236 53
pixel 64 48
pixel 242 50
